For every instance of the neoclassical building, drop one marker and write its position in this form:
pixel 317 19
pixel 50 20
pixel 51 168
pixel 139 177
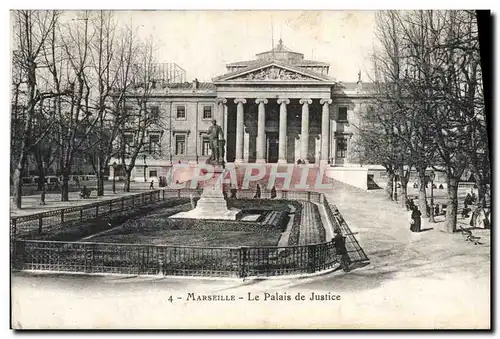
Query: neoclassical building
pixel 277 108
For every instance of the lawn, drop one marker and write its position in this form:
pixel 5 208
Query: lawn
pixel 155 228
pixel 204 238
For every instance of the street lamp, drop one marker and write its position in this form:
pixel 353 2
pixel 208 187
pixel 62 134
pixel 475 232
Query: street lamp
pixel 432 176
pixel 395 188
pixel 145 166
pixel 114 176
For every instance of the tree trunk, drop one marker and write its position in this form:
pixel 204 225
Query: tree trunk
pixel 388 187
pixel 128 174
pixel 100 182
pixel 65 186
pixel 41 175
pixel 452 207
pixel 422 196
pixel 18 187
pixel 404 191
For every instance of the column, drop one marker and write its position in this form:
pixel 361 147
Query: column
pixel 325 130
pixel 239 129
pixel 304 133
pixel 283 131
pixel 261 131
pixel 225 131
pixel 219 116
pixel 333 145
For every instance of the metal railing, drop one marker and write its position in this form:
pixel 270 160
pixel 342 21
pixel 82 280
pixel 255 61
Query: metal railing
pixel 39 223
pixel 238 262
pixel 142 259
pixel 28 225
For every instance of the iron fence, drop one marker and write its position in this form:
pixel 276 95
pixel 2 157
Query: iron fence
pixel 142 259
pixel 45 222
pixel 39 223
pixel 58 256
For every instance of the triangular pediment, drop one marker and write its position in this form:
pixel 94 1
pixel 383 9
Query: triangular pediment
pixel 273 72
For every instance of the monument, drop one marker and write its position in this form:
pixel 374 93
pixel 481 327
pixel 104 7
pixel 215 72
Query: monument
pixel 212 204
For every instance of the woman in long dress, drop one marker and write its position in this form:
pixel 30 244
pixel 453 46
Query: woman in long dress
pixel 415 219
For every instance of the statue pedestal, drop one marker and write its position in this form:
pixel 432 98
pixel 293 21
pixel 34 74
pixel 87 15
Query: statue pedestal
pixel 212 204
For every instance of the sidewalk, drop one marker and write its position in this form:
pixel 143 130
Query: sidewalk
pixel 31 203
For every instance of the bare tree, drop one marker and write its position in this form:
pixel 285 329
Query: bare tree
pixel 456 130
pixel 75 116
pixel 31 30
pixel 138 117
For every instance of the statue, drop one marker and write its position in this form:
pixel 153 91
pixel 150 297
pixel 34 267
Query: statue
pixel 216 141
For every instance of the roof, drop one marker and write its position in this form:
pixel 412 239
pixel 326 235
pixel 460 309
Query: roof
pixel 189 85
pixel 264 63
pixel 279 48
pixel 352 86
pixel 298 63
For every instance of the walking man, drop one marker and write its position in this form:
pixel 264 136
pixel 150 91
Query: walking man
pixel 339 242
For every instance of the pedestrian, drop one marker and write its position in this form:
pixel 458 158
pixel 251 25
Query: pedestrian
pixel 415 219
pixel 468 200
pixel 77 181
pixel 42 195
pixel 273 192
pixel 151 186
pixel 257 192
pixel 341 251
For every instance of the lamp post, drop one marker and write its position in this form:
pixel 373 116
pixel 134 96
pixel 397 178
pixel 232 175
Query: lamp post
pixel 395 189
pixel 432 176
pixel 114 176
pixel 145 167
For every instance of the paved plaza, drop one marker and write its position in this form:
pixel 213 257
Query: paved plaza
pixel 416 280
pixel 31 203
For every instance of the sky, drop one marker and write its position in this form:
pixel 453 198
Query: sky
pixel 202 42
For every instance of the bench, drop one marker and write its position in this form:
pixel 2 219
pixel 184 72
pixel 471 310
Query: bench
pixel 85 195
pixel 467 234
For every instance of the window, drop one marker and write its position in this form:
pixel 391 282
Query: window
pixel 153 173
pixel 154 138
pixel 207 112
pixel 155 112
pixel 341 148
pixel 128 139
pixel 342 114
pixel 180 144
pixel 205 146
pixel 154 143
pixel 181 112
pixel 129 109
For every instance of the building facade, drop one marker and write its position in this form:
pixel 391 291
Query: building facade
pixel 277 108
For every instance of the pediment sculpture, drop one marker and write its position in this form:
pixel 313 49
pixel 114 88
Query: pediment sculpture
pixel 274 73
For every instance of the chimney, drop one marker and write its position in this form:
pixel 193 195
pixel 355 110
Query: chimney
pixel 195 84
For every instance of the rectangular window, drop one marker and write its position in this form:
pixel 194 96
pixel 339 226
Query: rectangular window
pixel 205 146
pixel 181 112
pixel 129 109
pixel 342 114
pixel 128 139
pixel 180 145
pixel 155 112
pixel 153 173
pixel 207 112
pixel 154 144
pixel 341 148
pixel 154 138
